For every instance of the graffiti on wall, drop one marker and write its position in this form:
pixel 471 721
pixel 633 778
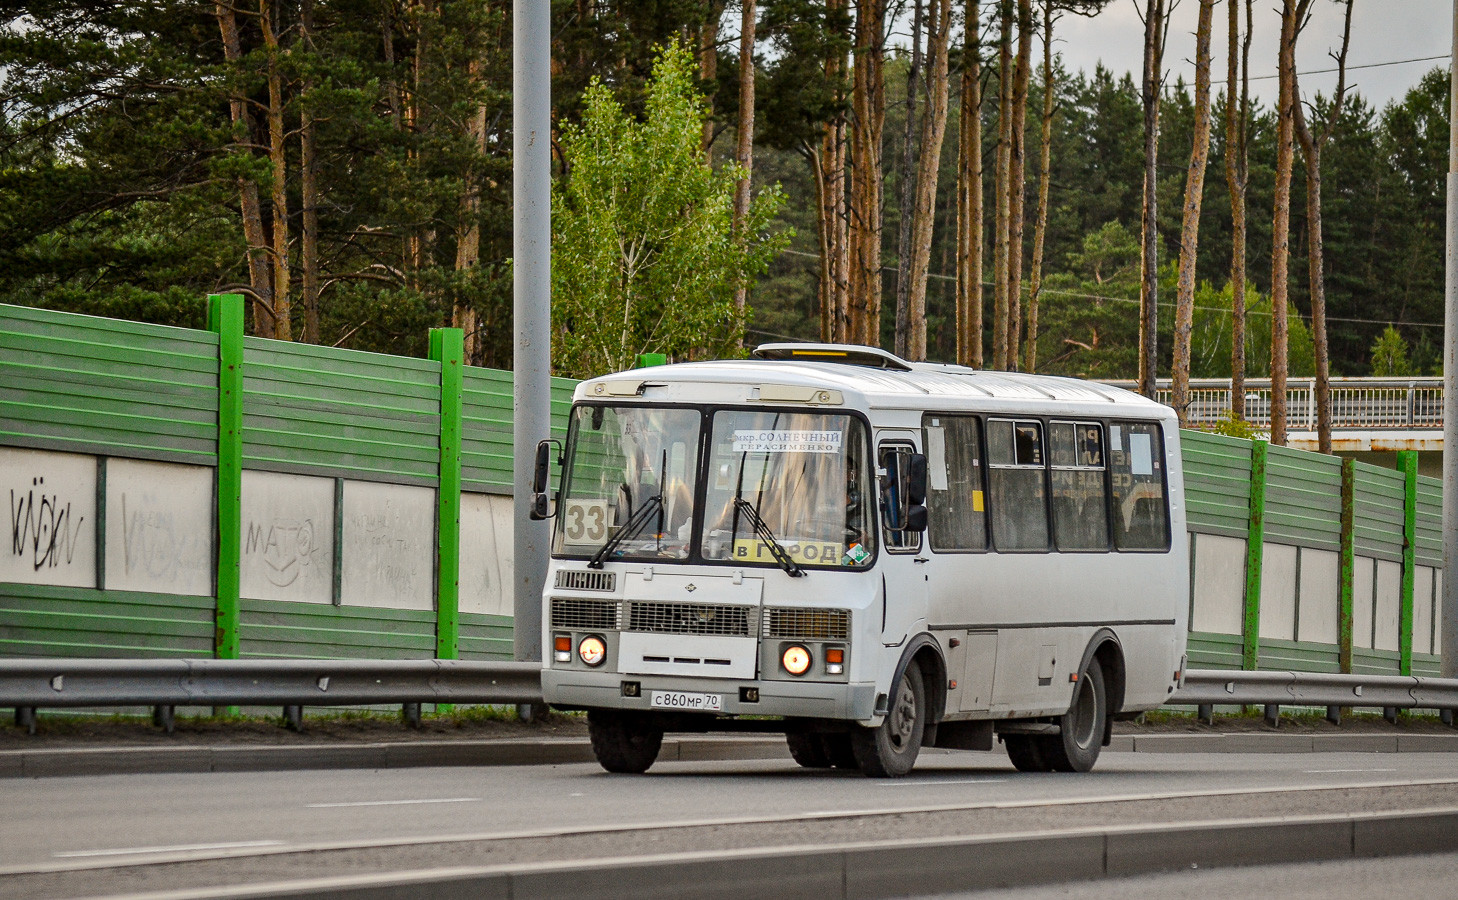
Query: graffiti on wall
pixel 159 528
pixel 52 514
pixel 389 546
pixel 288 537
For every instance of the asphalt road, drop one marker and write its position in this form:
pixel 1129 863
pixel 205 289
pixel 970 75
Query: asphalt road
pixel 69 836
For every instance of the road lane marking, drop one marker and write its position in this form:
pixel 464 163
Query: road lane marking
pixel 175 848
pixel 393 802
pixel 903 782
pixel 1343 771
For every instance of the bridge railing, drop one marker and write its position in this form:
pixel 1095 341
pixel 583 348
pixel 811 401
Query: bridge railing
pixel 1357 403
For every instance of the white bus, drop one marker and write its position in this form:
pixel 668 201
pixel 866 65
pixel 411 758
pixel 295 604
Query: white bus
pixel 866 554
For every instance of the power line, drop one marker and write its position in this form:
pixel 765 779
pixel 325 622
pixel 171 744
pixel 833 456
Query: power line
pixel 1218 309
pixel 1395 62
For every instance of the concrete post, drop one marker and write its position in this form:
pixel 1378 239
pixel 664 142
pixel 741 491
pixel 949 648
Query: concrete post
pixel 531 303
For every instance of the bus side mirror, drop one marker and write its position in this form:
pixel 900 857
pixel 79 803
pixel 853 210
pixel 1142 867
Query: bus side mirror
pixel 916 481
pixel 541 506
pixel 916 518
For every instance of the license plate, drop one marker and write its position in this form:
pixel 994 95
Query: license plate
pixel 686 700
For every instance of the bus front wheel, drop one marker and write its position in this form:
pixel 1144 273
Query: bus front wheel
pixel 623 742
pixel 890 750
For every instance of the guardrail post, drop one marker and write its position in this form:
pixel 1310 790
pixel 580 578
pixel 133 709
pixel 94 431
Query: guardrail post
pixel 1346 566
pixel 447 347
pixel 225 318
pixel 1254 555
pixel 1407 462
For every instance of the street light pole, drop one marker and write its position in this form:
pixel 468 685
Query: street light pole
pixel 531 240
pixel 1450 385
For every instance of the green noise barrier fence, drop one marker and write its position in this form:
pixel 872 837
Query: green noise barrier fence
pixel 177 492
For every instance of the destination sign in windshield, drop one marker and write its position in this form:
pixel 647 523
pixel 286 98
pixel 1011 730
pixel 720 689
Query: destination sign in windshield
pixel 751 441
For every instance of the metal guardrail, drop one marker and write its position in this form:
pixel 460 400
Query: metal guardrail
pixel 1208 688
pixel 1363 404
pixel 31 684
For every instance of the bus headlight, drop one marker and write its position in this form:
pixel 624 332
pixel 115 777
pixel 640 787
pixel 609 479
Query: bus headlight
pixel 796 660
pixel 592 650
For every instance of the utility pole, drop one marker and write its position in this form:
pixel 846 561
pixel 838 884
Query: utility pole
pixel 531 240
pixel 1450 385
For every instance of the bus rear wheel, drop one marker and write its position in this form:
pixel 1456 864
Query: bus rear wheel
pixel 890 750
pixel 1081 730
pixel 627 743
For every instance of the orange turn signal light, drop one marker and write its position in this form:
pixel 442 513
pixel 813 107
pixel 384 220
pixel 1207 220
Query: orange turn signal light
pixel 835 655
pixel 563 644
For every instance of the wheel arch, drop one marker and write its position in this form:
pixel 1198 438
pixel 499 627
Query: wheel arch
pixel 1104 647
pixel 924 650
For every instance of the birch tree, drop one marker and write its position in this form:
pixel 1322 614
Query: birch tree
pixel 646 257
pixel 1190 219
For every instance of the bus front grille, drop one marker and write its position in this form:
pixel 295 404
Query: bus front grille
pixel 584 615
pixel 807 624
pixel 689 618
pixel 578 580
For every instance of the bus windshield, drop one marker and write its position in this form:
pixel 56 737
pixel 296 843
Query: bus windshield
pixel 804 474
pixel 630 470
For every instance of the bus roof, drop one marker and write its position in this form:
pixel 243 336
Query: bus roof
pixel 879 382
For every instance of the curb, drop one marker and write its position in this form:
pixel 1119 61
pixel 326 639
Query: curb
pixel 50 763
pixel 901 868
pixel 399 755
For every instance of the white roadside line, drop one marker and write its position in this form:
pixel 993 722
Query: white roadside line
pixel 392 802
pixel 175 848
pixel 402 878
pixel 1343 771
pixel 376 843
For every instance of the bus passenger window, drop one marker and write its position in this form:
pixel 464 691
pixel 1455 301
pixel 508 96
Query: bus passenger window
pixel 1015 462
pixel 1136 458
pixel 1080 513
pixel 895 503
pixel 956 514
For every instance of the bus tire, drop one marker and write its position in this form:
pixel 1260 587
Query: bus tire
pixel 890 750
pixel 623 742
pixel 838 749
pixel 808 750
pixel 1025 752
pixel 1081 730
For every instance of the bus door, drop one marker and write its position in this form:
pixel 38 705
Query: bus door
pixel 904 565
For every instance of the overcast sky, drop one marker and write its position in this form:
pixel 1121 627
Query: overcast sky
pixel 1383 31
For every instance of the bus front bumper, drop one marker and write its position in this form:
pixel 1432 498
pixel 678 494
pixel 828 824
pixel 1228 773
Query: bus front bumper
pixel 806 699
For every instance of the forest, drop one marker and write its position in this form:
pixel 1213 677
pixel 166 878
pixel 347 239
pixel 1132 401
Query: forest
pixel 346 165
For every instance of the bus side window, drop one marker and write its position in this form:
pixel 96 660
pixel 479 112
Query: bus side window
pixel 894 500
pixel 1080 510
pixel 956 511
pixel 1015 467
pixel 1136 458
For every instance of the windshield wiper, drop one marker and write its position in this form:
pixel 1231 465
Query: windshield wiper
pixel 635 523
pixel 762 531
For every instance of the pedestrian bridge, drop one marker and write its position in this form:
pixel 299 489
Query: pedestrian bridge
pixel 1369 415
